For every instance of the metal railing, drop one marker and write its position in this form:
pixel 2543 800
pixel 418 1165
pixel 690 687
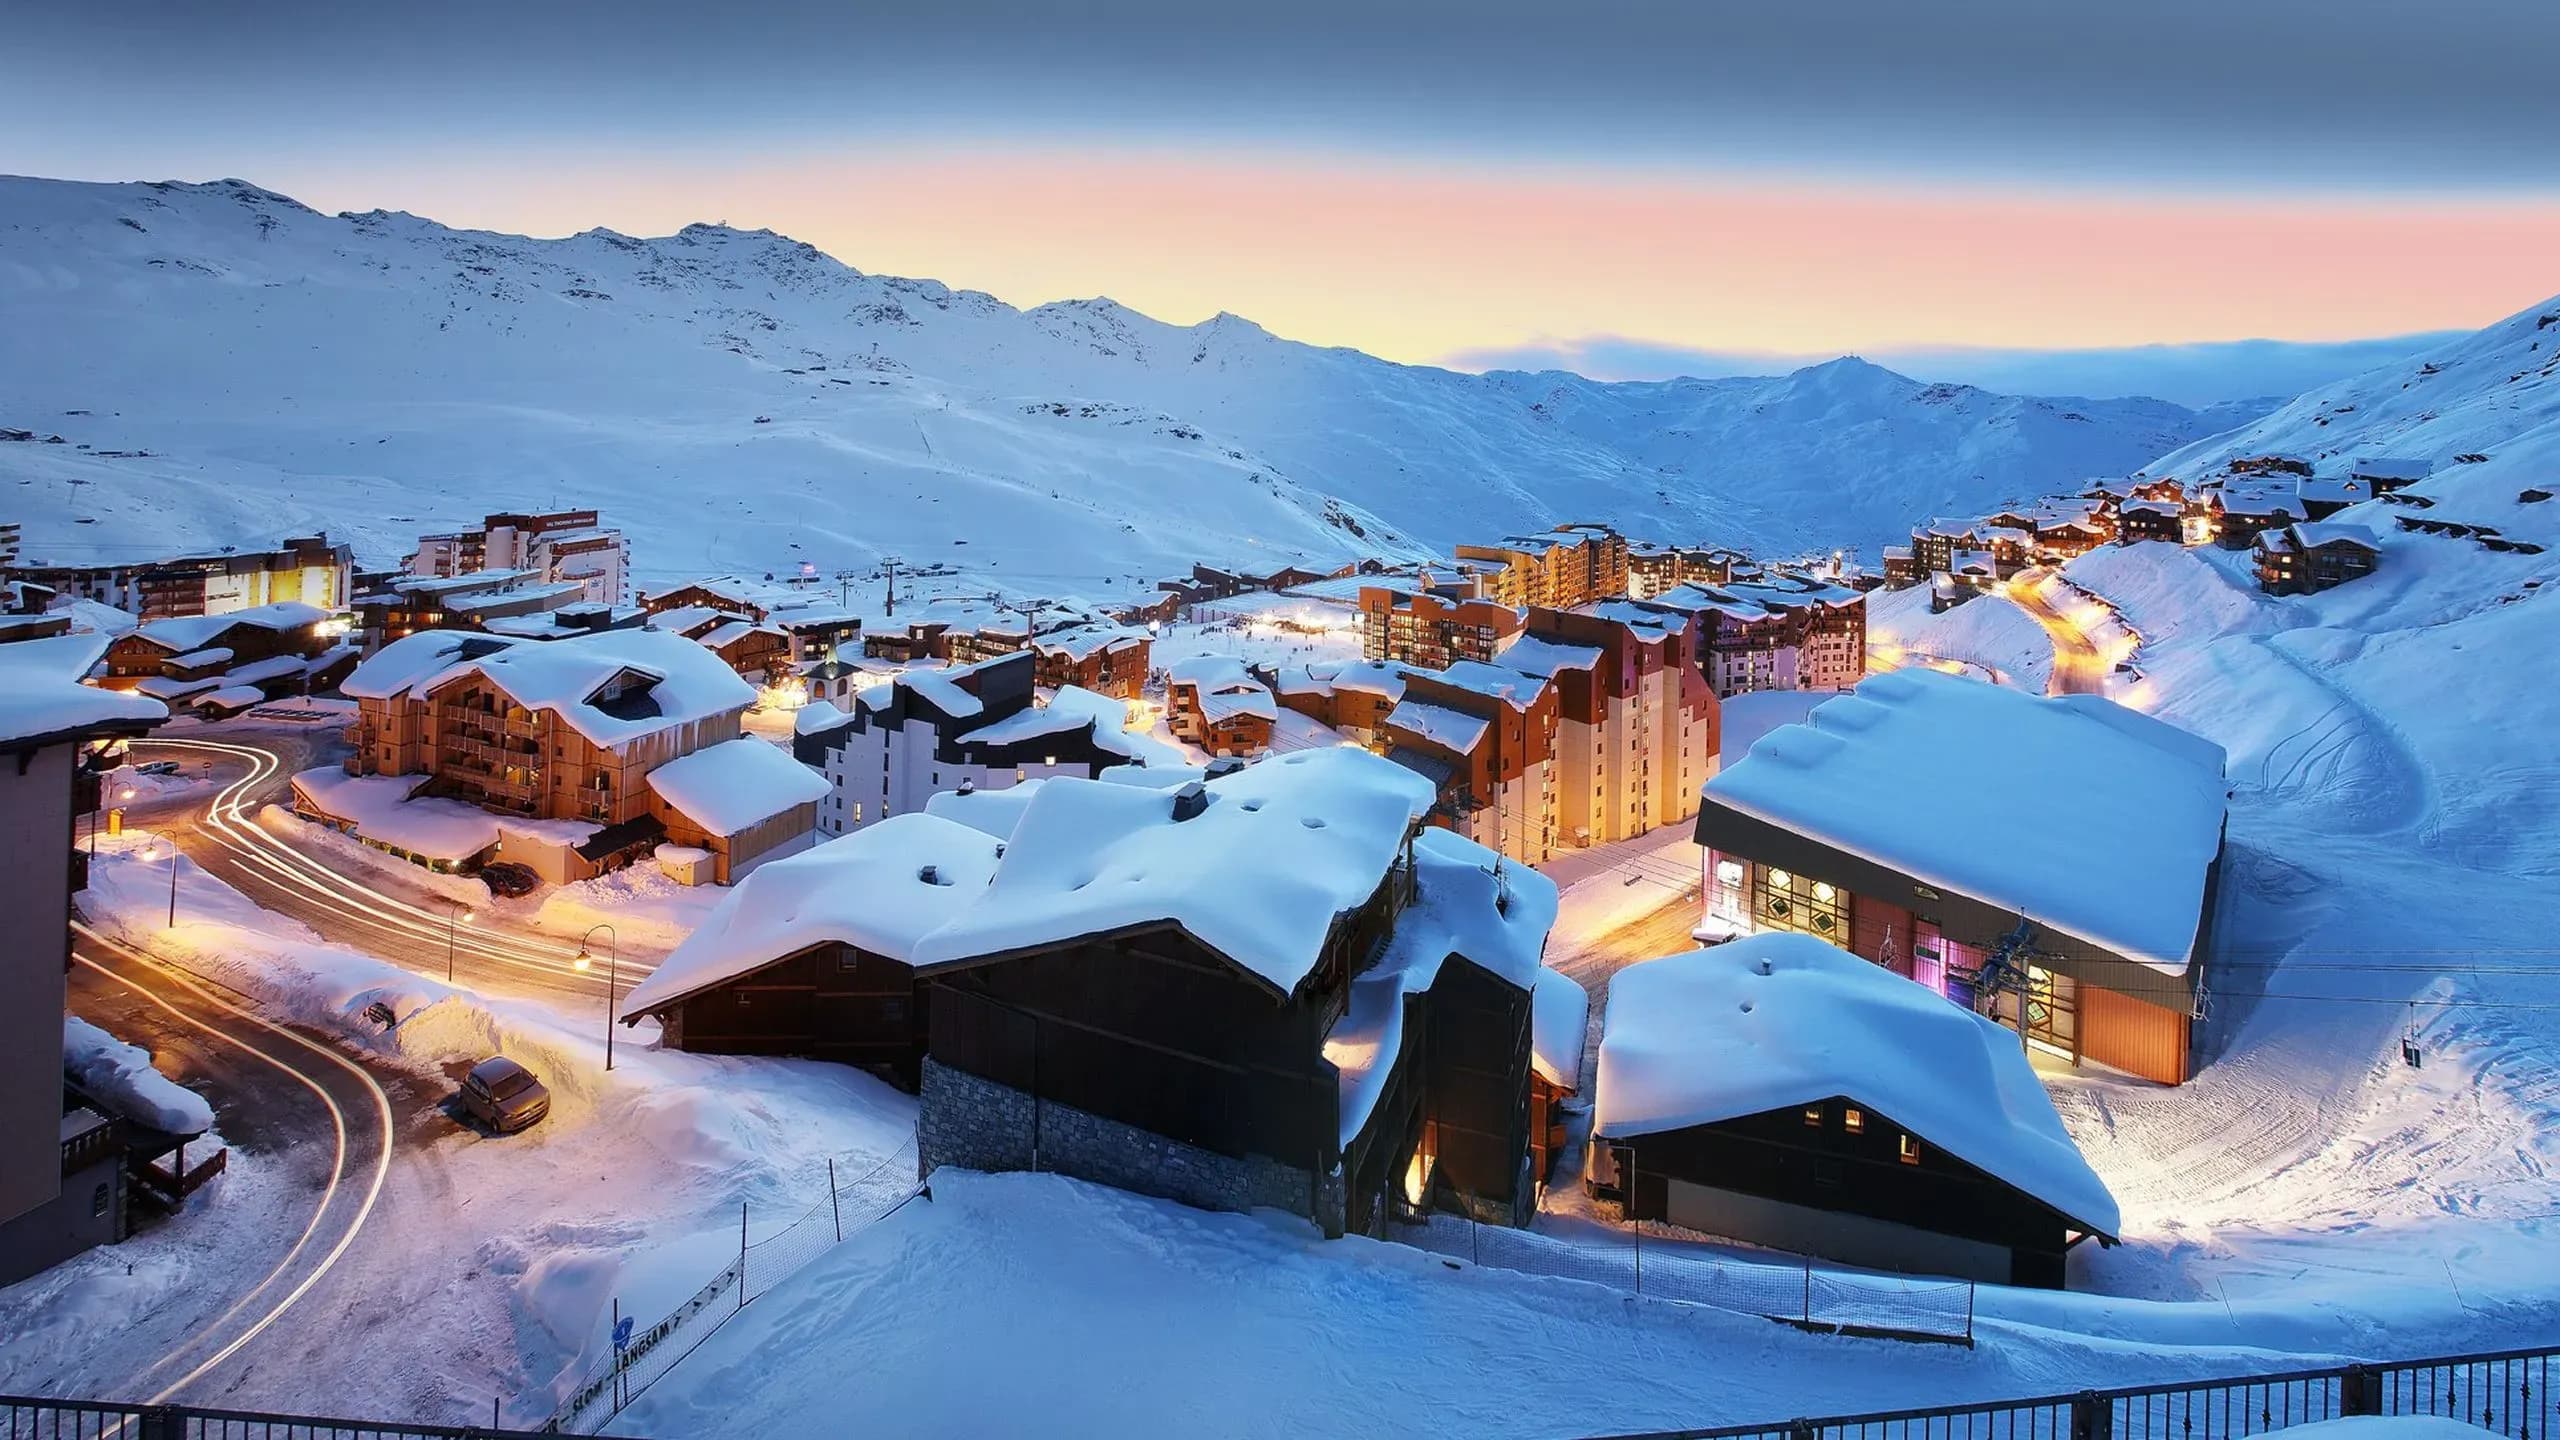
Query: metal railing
pixel 2506 1393
pixel 23 1418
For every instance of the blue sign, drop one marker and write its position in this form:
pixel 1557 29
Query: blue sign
pixel 622 1334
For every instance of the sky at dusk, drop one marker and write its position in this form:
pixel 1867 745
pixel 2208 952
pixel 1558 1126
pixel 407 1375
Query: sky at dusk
pixel 1606 185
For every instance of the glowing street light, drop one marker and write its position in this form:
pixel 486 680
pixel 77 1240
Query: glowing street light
pixel 612 976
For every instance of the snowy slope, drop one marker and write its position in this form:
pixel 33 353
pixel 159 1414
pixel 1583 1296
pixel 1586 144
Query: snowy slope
pixel 741 401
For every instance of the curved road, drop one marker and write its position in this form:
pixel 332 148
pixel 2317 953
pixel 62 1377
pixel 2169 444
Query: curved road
pixel 2078 668
pixel 325 1118
pixel 354 910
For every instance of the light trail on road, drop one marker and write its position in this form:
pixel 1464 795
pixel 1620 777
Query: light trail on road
pixel 339 1177
pixel 423 932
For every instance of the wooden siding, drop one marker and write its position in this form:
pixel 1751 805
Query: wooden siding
pixel 830 1002
pixel 2134 1036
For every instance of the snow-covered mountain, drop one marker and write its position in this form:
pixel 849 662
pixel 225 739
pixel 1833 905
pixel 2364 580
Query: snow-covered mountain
pixel 238 366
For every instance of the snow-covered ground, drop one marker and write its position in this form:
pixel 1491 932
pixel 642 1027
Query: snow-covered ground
pixel 1989 632
pixel 491 1265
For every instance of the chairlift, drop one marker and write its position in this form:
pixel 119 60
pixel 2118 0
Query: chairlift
pixel 2411 1054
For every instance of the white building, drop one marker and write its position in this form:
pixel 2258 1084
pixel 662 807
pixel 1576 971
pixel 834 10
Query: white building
pixel 563 545
pixel 976 727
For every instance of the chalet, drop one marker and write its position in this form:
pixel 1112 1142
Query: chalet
pixel 1637 721
pixel 2140 520
pixel 1485 735
pixel 813 955
pixel 2322 496
pixel 403 605
pixel 1414 625
pixel 1213 702
pixel 1263 990
pixel 2094 953
pixel 2269 464
pixel 1935 545
pixel 220 665
pixel 811 627
pixel 2311 557
pixel 572 757
pixel 1901 567
pixel 2383 474
pixel 2236 513
pixel 1105 659
pixel 62 1166
pixel 976 727
pixel 1780 1091
pixel 583 617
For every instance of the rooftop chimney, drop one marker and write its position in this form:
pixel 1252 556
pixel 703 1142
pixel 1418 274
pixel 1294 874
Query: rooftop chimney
pixel 1190 800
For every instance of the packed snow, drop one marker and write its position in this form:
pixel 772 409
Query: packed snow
pixel 121 1076
pixel 41 693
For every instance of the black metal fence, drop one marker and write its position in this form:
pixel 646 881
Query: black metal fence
pixel 2507 1393
pixel 27 1419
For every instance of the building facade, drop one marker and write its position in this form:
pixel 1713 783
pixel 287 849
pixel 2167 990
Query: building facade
pixel 570 545
pixel 308 571
pixel 1420 628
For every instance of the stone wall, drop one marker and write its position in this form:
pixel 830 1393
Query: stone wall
pixel 977 1124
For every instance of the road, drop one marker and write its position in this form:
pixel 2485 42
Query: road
pixel 320 1121
pixel 2078 668
pixel 363 912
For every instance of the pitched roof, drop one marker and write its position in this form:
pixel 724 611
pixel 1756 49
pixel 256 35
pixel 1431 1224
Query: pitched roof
pixel 686 683
pixel 727 787
pixel 42 699
pixel 1258 875
pixel 1707 1036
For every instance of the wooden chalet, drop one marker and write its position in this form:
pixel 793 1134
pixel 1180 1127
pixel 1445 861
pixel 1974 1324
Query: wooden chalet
pixel 1782 1092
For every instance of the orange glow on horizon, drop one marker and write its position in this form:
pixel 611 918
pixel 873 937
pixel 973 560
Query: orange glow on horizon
pixel 1419 263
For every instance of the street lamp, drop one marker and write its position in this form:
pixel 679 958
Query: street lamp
pixel 153 854
pixel 458 916
pixel 612 976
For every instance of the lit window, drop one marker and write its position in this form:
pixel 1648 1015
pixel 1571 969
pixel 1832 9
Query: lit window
pixel 1910 1151
pixel 1780 880
pixel 1824 893
pixel 1813 1116
pixel 1853 1120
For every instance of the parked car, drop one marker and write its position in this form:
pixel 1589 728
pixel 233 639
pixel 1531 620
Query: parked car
pixel 156 767
pixel 506 879
pixel 504 1095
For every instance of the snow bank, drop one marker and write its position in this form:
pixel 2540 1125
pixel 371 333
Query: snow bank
pixel 343 852
pixel 1989 630
pixel 121 1076
pixel 1772 1022
pixel 380 808
pixel 649 910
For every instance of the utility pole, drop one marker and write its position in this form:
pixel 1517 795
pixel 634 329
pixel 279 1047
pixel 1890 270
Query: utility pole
pixel 889 569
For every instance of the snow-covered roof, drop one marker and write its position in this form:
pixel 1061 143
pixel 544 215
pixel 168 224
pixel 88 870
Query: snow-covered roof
pixel 1259 875
pixel 400 665
pixel 1070 708
pixel 1707 1036
pixel 2315 533
pixel 1219 706
pixel 198 659
pixel 868 889
pixel 2150 795
pixel 2390 467
pixel 815 716
pixel 1469 902
pixel 1559 1027
pixel 728 787
pixel 230 697
pixel 1533 655
pixel 687 619
pixel 120 1077
pixel 991 811
pixel 381 810
pixel 1082 642
pixel 190 632
pixel 1514 687
pixel 1211 672
pixel 938 687
pixel 161 687
pixel 274 667
pixel 689 682
pixel 41 694
pixel 473 604
pixel 1453 730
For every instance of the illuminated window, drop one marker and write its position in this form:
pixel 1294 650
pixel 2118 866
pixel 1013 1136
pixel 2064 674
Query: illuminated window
pixel 1853 1120
pixel 1728 872
pixel 1910 1151
pixel 1813 1115
pixel 1781 880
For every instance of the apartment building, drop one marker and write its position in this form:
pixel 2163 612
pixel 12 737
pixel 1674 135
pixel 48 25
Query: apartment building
pixel 1638 726
pixel 1485 736
pixel 1570 565
pixel 1780 632
pixel 1105 659
pixel 1352 698
pixel 573 756
pixel 1418 626
pixel 562 545
pixel 308 571
pixel 969 728
pixel 1214 702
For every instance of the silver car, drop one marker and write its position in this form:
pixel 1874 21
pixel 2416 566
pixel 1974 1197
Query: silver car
pixel 504 1095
